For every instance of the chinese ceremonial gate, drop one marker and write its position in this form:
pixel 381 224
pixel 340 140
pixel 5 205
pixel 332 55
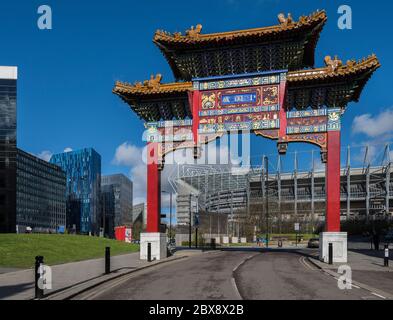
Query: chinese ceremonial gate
pixel 258 80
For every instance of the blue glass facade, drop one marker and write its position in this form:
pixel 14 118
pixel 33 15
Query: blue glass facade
pixel 83 170
pixel 8 92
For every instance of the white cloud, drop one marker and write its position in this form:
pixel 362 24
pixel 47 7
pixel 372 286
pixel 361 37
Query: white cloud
pixel 45 155
pixel 378 130
pixel 380 125
pixel 319 166
pixel 68 150
pixel 128 155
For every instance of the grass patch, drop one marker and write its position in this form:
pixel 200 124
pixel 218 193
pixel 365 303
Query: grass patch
pixel 20 250
pixel 248 244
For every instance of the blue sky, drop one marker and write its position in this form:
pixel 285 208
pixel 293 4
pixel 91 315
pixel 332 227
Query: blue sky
pixel 66 74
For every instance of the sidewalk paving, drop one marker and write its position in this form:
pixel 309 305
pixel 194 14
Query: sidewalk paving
pixel 368 271
pixel 19 285
pixel 360 260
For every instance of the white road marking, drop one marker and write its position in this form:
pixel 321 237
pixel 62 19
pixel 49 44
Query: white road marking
pixel 304 263
pixel 378 295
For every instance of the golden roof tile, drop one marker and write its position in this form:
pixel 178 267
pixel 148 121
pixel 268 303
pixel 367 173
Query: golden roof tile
pixel 334 70
pixel 194 35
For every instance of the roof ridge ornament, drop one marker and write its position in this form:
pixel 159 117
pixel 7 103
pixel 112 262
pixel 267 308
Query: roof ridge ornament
pixel 194 32
pixel 333 64
pixel 153 82
pixel 285 21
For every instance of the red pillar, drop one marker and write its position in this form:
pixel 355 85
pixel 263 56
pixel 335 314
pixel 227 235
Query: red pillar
pixel 333 185
pixel 153 189
pixel 283 111
pixel 194 98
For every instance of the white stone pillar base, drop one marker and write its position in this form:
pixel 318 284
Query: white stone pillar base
pixel 235 240
pixel 158 245
pixel 340 246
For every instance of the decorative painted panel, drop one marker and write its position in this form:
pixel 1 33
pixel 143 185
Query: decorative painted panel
pixel 240 82
pixel 240 104
pixel 334 120
pixel 308 121
pixel 169 131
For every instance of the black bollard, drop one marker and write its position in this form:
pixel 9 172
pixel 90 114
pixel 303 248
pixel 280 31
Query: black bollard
pixel 386 259
pixel 213 243
pixel 107 260
pixel 39 292
pixel 330 253
pixel 196 238
pixel 149 252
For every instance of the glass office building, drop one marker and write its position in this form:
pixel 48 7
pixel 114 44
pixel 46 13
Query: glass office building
pixel 83 171
pixel 40 195
pixel 122 188
pixel 108 210
pixel 8 80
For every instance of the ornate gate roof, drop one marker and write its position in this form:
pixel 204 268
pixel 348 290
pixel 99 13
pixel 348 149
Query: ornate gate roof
pixel 334 85
pixel 289 45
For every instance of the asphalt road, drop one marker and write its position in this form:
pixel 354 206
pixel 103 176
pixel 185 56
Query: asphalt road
pixel 231 275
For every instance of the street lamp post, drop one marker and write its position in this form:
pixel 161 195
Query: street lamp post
pixel 190 224
pixel 267 200
pixel 170 214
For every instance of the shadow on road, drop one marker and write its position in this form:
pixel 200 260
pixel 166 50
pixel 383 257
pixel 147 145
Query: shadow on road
pixel 7 291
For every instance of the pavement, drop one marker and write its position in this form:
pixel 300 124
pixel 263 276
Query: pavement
pixel 19 285
pixel 362 260
pixel 368 270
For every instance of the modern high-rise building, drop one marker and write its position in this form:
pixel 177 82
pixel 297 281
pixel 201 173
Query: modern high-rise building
pixel 139 213
pixel 40 194
pixel 123 194
pixel 108 210
pixel 83 171
pixel 8 81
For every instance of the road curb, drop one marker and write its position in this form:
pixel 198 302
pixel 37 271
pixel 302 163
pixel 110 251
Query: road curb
pixel 366 287
pixel 73 291
pixel 233 279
